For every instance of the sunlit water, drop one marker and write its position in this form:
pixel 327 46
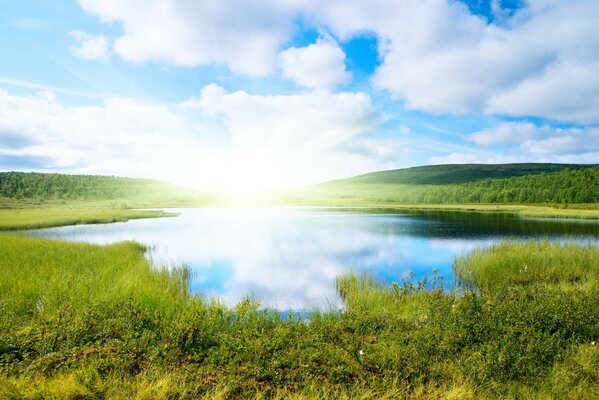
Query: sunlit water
pixel 289 257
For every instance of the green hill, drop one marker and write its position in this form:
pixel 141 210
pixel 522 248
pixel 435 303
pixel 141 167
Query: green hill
pixel 55 189
pixel 464 184
pixel 455 173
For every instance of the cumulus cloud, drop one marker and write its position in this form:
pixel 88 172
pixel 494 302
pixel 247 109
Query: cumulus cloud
pixel 473 158
pixel 243 36
pixel 216 140
pixel 290 137
pixel 319 65
pixel 527 142
pixel 439 57
pixel 541 60
pixel 90 47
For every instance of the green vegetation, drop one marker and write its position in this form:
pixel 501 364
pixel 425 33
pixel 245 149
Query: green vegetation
pixel 451 174
pixel 84 321
pixel 34 218
pixel 463 184
pixel 56 190
pixel 528 263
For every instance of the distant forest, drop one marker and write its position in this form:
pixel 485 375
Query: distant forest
pixel 568 186
pixel 421 185
pixel 19 185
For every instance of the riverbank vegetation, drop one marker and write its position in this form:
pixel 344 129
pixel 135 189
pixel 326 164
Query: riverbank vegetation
pixel 35 218
pixel 85 321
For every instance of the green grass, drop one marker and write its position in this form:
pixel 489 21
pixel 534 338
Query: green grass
pixel 529 263
pixel 84 321
pixel 34 218
pixel 45 275
pixel 525 211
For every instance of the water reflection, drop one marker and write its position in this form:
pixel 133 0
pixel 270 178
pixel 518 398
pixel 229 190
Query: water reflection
pixel 289 257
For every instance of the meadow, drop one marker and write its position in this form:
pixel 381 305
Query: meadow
pixel 86 321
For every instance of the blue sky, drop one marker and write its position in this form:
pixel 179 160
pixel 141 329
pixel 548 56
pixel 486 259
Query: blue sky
pixel 282 93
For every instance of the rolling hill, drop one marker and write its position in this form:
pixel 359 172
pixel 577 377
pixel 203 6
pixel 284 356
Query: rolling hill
pixel 464 183
pixel 454 173
pixel 56 189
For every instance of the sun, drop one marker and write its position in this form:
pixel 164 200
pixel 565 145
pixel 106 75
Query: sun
pixel 242 175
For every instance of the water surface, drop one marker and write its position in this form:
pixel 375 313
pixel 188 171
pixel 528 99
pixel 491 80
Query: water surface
pixel 289 257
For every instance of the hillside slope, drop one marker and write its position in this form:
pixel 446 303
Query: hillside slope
pixel 464 184
pixel 52 189
pixel 455 173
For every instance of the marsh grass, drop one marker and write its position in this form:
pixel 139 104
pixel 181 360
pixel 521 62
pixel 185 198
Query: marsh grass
pixel 83 321
pixel 532 262
pixel 34 218
pixel 43 276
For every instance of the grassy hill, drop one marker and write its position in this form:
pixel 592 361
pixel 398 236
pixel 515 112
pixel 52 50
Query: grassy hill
pixel 464 184
pixel 454 173
pixel 40 189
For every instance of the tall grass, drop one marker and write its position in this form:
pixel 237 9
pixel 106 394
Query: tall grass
pixel 43 276
pixel 34 218
pixel 83 321
pixel 517 263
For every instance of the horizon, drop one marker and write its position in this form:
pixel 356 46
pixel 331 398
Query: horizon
pixel 255 97
pixel 259 195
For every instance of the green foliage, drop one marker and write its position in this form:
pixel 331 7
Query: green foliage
pixel 113 327
pixel 114 192
pixel 567 186
pixel 529 263
pixel 456 173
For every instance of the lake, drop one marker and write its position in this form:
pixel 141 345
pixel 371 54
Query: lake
pixel 288 257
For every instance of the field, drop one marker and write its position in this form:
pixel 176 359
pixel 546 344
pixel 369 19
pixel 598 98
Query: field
pixel 85 321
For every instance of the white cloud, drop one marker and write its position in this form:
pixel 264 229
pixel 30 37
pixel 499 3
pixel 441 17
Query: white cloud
pixel 541 140
pixel 90 47
pixel 219 140
pixel 244 36
pixel 527 142
pixel 510 133
pixel 542 61
pixel 474 158
pixel 440 58
pixel 319 65
pixel 290 138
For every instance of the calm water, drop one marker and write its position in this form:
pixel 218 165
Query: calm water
pixel 289 257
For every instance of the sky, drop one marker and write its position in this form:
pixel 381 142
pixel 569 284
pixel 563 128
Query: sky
pixel 262 94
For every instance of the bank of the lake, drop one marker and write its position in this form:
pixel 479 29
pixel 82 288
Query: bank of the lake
pixel 574 211
pixel 87 321
pixel 36 218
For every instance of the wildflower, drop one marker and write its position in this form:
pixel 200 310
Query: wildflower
pixel 361 352
pixel 593 343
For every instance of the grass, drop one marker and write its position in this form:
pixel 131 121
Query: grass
pixel 529 263
pixel 34 218
pixel 85 321
pixel 533 211
pixel 43 276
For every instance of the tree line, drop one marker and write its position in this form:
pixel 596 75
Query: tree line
pixel 19 185
pixel 565 187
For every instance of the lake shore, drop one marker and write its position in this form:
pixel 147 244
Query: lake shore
pixel 47 217
pixel 12 219
pixel 90 321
